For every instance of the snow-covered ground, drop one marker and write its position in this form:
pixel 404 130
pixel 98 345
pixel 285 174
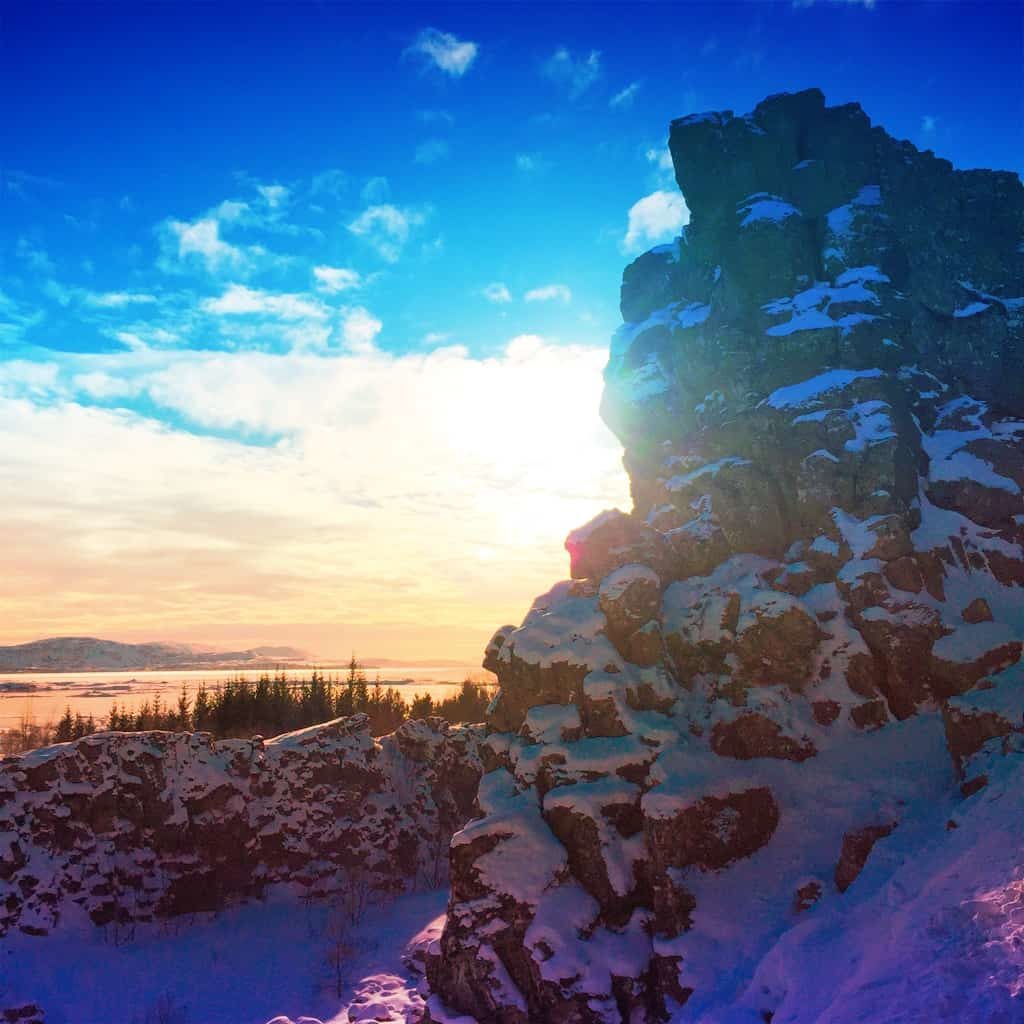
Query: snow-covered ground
pixel 246 965
pixel 931 931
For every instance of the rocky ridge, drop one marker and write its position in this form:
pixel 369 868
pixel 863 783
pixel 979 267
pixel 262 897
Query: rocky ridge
pixel 128 827
pixel 803 646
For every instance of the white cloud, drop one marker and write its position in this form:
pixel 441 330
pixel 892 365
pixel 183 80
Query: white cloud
pixel 430 151
pixel 549 293
pixel 273 195
pixel 658 217
pixel 201 238
pixel 238 300
pixel 386 228
pixel 359 328
pixel 452 55
pixel 116 300
pixel 230 210
pixel 25 377
pixel 372 506
pixel 497 291
pixel 336 279
pixel 663 175
pixel 625 97
pixel 661 158
pixel 577 74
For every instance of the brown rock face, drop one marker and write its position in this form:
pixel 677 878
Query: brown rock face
pixel 756 735
pixel 610 541
pixel 817 598
pixel 715 831
pixel 164 823
pixel 977 611
pixel 857 847
pixel 994 709
pixel 630 598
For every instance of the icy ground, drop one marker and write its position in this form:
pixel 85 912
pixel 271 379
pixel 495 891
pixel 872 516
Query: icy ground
pixel 246 965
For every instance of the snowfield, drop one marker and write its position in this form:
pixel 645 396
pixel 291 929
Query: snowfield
pixel 277 959
pixel 931 931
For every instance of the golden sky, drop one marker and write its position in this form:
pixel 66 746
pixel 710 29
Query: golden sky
pixel 406 507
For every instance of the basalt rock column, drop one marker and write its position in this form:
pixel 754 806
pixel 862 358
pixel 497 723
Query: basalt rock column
pixel 752 679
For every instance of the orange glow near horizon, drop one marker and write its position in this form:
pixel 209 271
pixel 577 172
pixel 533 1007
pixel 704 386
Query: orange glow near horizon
pixel 410 506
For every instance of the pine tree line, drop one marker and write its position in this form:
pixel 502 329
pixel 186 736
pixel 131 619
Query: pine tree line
pixel 273 704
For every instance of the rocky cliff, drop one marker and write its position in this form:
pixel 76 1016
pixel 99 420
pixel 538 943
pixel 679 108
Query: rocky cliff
pixel 128 827
pixel 798 657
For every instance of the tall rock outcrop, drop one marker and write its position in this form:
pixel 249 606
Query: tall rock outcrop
pixel 129 827
pixel 791 655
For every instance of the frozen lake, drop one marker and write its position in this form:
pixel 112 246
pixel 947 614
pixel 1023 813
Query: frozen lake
pixel 43 696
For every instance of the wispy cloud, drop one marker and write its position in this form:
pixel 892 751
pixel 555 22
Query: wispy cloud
pixel 531 163
pixel 661 158
pixel 549 293
pixel 20 183
pixel 332 182
pixel 359 328
pixel 625 97
pixel 657 217
pixel 117 300
pixel 576 74
pixel 273 195
pixel 201 240
pixel 662 176
pixel 337 279
pixel 497 291
pixel 430 151
pixel 239 300
pixel 35 257
pixel 387 228
pixel 929 124
pixel 444 51
pixel 375 189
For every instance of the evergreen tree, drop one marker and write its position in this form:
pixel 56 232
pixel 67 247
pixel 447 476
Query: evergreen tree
pixel 183 715
pixel 65 727
pixel 421 707
pixel 202 711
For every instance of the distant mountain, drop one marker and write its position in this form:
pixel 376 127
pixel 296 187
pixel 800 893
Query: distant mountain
pixel 85 653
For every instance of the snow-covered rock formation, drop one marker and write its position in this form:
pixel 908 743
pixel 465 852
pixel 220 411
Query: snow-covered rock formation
pixel 778 704
pixel 129 827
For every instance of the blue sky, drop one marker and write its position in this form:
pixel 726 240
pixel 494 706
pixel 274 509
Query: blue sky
pixel 235 234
